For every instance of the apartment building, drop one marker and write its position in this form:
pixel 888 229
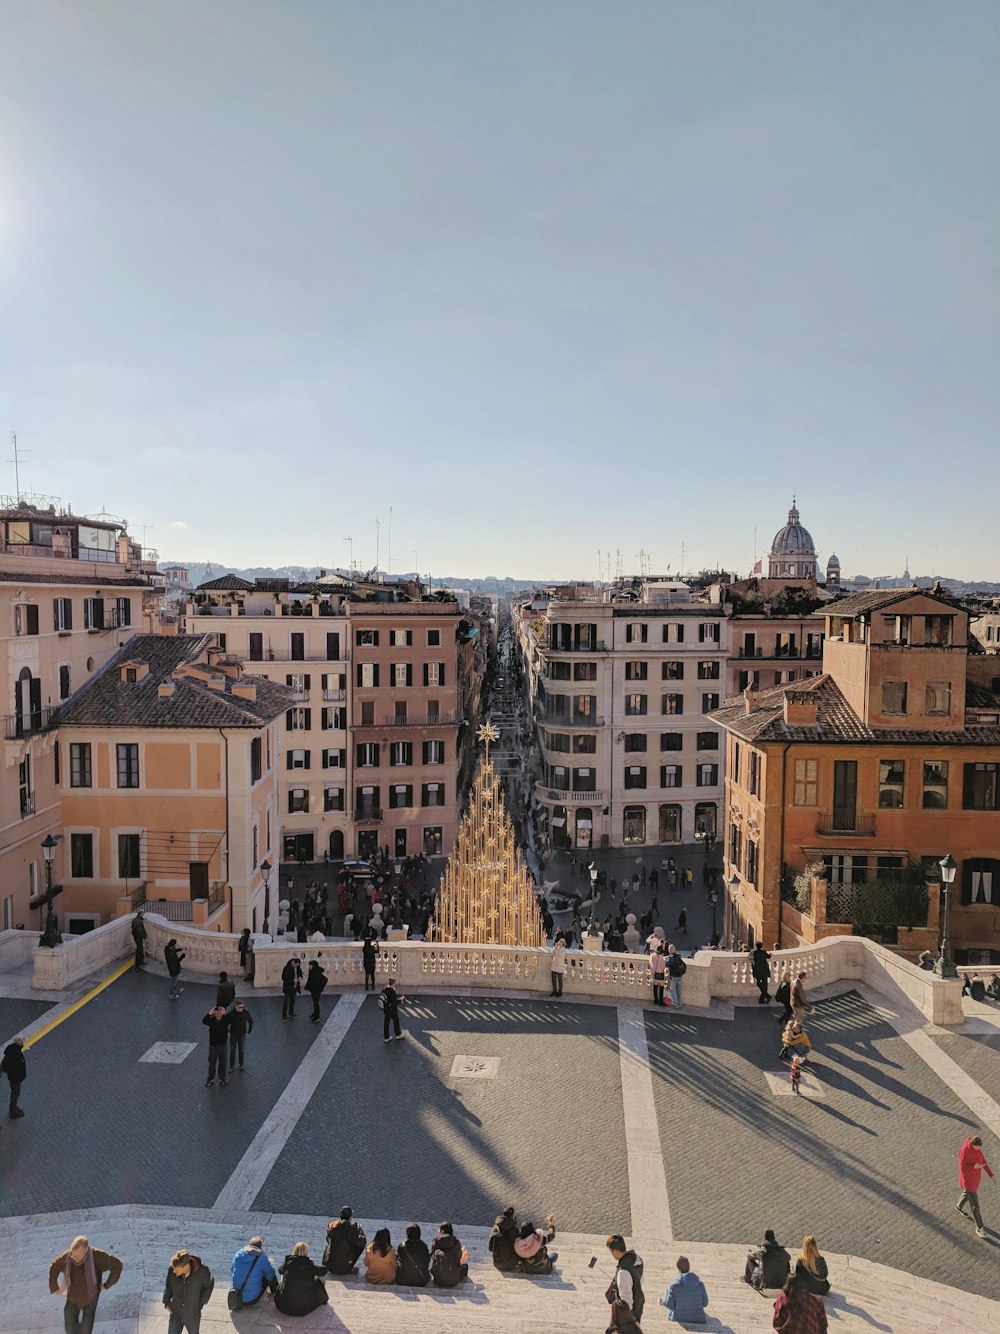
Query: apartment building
pixel 375 748
pixel 169 787
pixel 773 649
pixel 72 591
pixel 622 682
pixel 882 765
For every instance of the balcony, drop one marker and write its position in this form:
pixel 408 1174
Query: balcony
pixel 300 696
pixel 551 719
pixel 421 720
pixel 27 804
pixel 367 815
pixel 599 647
pixel 286 655
pixel 751 653
pixel 845 826
pixel 17 726
pixel 564 794
pixel 334 696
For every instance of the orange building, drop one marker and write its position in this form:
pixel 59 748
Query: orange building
pixel 868 773
pixel 169 787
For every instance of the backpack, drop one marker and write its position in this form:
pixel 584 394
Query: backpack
pixel 681 967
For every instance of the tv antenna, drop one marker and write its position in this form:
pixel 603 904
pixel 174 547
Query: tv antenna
pixel 16 460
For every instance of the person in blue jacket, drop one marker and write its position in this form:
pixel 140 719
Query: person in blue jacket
pixel 686 1297
pixel 253 1271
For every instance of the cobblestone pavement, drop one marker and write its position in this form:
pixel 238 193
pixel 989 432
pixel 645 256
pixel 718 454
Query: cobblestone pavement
pixel 979 1054
pixel 18 1014
pixel 872 1169
pixel 389 1130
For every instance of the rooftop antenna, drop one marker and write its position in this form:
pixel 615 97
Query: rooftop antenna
pixel 350 540
pixel 16 460
pixel 416 564
pixel 378 541
pixel 388 543
pixel 682 561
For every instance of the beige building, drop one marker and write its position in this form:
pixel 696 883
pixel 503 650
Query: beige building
pixel 169 787
pixel 72 591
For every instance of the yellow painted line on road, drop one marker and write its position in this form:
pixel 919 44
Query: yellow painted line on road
pixel 77 1005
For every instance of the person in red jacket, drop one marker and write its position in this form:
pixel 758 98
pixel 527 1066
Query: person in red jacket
pixel 971 1163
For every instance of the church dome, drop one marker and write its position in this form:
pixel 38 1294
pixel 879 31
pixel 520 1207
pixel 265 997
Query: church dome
pixel 793 552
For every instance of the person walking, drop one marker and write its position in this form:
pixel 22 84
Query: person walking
pixel 225 992
pixel 682 922
pixel 78 1276
pixel 245 948
pixel 186 1292
pixel 389 1001
pixel 15 1068
pixel 799 1003
pixel 139 936
pixel 971 1166
pixel 173 958
pixel 557 966
pixel 291 985
pixel 676 968
pixel 761 969
pixel 217 1023
pixel 315 984
pixel 369 957
pixel 626 1286
pixel 240 1025
pixel 252 1271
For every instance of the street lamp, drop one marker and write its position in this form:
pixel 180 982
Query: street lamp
pixel 945 967
pixel 50 936
pixel 733 885
pixel 713 899
pixel 265 870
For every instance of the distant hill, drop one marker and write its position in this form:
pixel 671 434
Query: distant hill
pixel 200 571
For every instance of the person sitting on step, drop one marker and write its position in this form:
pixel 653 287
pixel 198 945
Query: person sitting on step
pixel 531 1248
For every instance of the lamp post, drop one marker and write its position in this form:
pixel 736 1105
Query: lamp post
pixel 945 967
pixel 265 870
pixel 713 899
pixel 733 885
pixel 50 936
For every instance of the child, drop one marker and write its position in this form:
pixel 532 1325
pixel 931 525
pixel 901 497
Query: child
pixel 795 1074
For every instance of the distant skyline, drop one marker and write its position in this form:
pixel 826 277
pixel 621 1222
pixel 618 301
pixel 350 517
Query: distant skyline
pixel 545 280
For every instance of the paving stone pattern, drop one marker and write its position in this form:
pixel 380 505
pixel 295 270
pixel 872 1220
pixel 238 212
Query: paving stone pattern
pixel 979 1056
pixel 390 1133
pixel 142 1133
pixel 18 1014
pixel 872 1170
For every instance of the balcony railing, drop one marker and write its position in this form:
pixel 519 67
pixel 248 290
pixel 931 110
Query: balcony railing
pixel 422 720
pixel 599 647
pixel 367 815
pixel 286 655
pixel 845 826
pixel 27 804
pixel 563 794
pixel 334 696
pixel 554 720
pixel 19 725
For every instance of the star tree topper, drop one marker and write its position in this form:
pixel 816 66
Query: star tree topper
pixel 487 733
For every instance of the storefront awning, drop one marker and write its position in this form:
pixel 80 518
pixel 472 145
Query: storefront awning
pixel 558 822
pixel 584 824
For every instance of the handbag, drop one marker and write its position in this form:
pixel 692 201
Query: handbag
pixel 235 1295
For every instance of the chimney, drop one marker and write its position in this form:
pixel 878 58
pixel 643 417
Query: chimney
pixel 245 690
pixel 800 708
pixel 165 690
pixel 749 700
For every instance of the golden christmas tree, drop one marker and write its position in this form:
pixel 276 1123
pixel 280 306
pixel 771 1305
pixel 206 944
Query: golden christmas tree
pixel 487 894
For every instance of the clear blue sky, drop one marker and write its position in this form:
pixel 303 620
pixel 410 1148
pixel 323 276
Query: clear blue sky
pixel 544 277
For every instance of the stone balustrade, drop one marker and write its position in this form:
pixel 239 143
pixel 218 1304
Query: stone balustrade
pixel 711 974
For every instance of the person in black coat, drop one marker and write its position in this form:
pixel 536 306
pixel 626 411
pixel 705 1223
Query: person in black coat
pixel 502 1240
pixel 240 1024
pixel 217 1023
pixel 15 1068
pixel 369 956
pixel 225 992
pixel 414 1260
pixel 138 930
pixel 389 1001
pixel 291 985
pixel 449 1258
pixel 246 954
pixel 345 1241
pixel 761 969
pixel 315 985
pixel 783 996
pixel 300 1288
pixel 173 958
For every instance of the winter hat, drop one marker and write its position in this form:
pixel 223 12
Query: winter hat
pixel 346 1213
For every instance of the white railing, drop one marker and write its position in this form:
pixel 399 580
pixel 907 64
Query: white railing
pixel 711 975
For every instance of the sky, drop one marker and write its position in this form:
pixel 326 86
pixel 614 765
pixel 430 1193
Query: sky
pixel 546 279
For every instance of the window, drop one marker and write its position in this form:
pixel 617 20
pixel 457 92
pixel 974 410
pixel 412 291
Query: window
pixel 555 741
pixel 25 618
pixel 256 646
pixel 400 796
pixel 558 671
pixel 937 630
pixel 751 863
pixel 433 673
pixel 672 670
pixel 62 614
pixel 637 632
pixel 635 741
pixel 707 775
pixel 671 741
pixel 635 775
pixel 804 787
pixel 298 801
pixel 784 646
pixel 64 686
pixel 123 607
pixel 367 712
pixel 706 815
pixel 433 710
pixel 255 760
pixel 128 857
pixel 747 680
pixel 333 759
pixel 980 875
pixel 334 718
pixel 672 704
pixel 634 825
pixel 402 674
pixel 401 752
pixel 635 705
pixel 333 799
pixel 584 780
pixel 890 784
pixel 432 840
pixel 980 788
pixel 585 671
pixel 433 752
pixel 670 824
pixel 893 696
pixel 558 776
pixel 708 671
pixel 584 707
pixel 79 764
pixel 635 671
pixel 81 856
pixel 709 702
pixel 366 638
pixel 298 759
pixel 399 712
pixel 432 794
pixel 56 778
pixel 299 720
pixel 673 634
pixel 708 632
pixel 297 646
pixel 368 755
pixel 671 775
pixel 128 764
pixel 585 743
pixel 935 785
pixel 333 646
pixel 367 673
pixel 26 795
pixel 433 638
pixel 93 613
pixel 938 699
pixel 401 638
pixel 708 741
